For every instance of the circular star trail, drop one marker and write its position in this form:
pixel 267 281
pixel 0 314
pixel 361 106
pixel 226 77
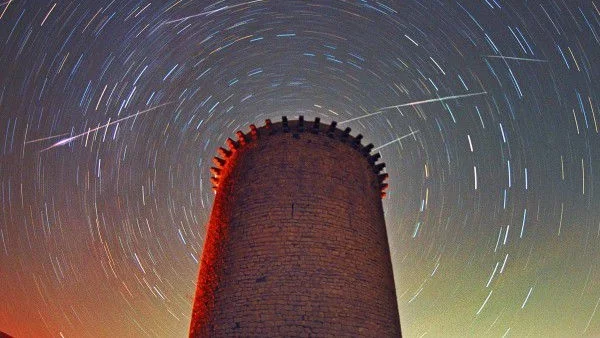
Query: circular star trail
pixel 486 114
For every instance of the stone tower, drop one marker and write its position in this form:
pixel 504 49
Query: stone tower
pixel 296 244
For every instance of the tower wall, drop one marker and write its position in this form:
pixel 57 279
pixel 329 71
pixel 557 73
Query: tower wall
pixel 296 243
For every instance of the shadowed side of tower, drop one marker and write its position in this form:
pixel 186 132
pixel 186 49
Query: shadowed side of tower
pixel 296 244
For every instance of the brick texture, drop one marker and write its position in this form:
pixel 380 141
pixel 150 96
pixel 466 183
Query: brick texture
pixel 296 244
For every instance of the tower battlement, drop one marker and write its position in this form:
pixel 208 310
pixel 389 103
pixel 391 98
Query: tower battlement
pixel 295 129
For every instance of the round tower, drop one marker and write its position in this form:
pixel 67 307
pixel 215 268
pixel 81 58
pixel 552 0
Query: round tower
pixel 296 243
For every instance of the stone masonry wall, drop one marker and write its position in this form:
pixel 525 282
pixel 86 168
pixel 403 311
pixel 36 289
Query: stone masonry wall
pixel 297 244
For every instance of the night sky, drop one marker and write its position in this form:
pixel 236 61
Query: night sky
pixel 110 113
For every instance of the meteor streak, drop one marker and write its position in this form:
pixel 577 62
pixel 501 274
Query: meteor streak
pixel 396 140
pixel 7 3
pixel 212 11
pixel 46 138
pixel 514 58
pixel 414 103
pixel 74 137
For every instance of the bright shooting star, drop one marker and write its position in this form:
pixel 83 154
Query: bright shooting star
pixel 74 137
pixel 7 3
pixel 514 58
pixel 46 138
pixel 396 140
pixel 212 11
pixel 414 103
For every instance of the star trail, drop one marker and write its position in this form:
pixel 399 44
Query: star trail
pixel 484 112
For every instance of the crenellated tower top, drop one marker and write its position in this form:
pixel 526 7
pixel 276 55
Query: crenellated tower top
pixel 295 128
